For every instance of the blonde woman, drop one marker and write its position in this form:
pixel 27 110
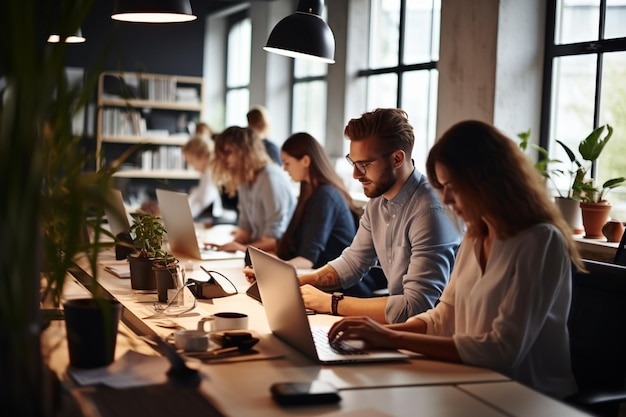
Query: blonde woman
pixel 266 202
pixel 205 199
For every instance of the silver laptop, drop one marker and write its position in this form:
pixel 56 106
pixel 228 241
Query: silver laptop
pixel 117 217
pixel 286 315
pixel 180 229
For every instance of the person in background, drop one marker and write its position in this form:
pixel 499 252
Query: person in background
pixel 507 303
pixel 325 218
pixel 204 200
pixel 266 202
pixel 205 130
pixel 404 227
pixel 258 121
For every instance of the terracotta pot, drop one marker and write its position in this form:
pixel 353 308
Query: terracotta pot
pixel 613 230
pixel 595 216
pixel 570 209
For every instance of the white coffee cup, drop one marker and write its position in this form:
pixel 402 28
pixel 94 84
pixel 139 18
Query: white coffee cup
pixel 225 321
pixel 191 340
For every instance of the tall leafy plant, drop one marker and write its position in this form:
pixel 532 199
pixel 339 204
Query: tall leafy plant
pixel 590 149
pixel 544 164
pixel 48 199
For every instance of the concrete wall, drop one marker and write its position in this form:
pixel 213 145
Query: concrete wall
pixel 491 63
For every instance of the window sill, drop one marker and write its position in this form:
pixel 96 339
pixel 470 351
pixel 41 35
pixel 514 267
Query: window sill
pixel 596 249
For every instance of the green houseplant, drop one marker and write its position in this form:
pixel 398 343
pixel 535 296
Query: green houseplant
pixel 147 234
pixel 570 208
pixel 49 197
pixel 544 163
pixel 592 198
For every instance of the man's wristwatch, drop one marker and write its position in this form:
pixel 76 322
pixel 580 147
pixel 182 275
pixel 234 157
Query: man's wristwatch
pixel 337 296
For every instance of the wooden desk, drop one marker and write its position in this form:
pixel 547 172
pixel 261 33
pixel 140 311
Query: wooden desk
pixel 417 386
pixel 518 400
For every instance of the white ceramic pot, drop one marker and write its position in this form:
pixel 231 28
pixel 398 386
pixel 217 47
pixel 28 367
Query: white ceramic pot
pixel 570 209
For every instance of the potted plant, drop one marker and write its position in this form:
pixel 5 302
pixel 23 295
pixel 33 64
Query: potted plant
pixel 166 273
pixel 569 207
pixel 591 198
pixel 544 162
pixel 49 197
pixel 147 233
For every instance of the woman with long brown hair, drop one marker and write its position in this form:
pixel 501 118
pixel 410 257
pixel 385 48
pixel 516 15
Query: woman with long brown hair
pixel 325 219
pixel 507 303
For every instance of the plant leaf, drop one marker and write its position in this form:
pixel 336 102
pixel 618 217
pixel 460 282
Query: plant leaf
pixel 591 147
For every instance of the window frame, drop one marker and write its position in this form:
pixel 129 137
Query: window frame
pixel 401 70
pixel 552 51
pixel 233 20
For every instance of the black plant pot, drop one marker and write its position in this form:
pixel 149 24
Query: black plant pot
pixel 141 274
pixel 165 279
pixel 91 327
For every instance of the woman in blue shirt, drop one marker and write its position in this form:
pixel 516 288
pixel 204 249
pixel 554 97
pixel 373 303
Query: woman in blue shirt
pixel 325 218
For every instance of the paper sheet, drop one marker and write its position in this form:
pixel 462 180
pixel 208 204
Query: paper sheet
pixel 120 270
pixel 134 369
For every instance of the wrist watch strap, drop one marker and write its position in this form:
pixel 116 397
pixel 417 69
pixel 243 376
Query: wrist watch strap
pixel 337 296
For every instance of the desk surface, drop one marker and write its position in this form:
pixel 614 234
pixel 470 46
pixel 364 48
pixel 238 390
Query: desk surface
pixel 384 389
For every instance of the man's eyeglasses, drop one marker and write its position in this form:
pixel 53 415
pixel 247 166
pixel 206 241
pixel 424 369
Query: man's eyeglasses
pixel 362 165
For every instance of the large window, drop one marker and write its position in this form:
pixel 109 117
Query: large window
pixel 238 70
pixel 309 99
pixel 402 64
pixel 584 86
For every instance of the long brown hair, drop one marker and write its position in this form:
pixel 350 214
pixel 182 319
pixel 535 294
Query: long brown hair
pixel 498 182
pixel 251 153
pixel 321 172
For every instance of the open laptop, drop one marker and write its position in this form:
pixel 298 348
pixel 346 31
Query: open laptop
pixel 286 315
pixel 181 232
pixel 117 217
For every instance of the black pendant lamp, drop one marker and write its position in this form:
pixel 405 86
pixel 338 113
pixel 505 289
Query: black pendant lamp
pixel 304 34
pixel 153 11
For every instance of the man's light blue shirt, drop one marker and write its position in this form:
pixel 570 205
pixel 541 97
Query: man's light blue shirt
pixel 415 240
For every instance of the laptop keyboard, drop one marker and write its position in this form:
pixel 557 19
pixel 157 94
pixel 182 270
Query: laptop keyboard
pixel 320 336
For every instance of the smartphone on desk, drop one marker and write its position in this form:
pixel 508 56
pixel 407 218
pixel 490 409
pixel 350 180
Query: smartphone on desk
pixel 300 393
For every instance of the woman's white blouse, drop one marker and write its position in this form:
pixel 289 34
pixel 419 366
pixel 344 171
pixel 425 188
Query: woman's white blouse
pixel 512 317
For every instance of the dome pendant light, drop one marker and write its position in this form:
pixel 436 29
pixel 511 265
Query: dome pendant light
pixel 304 34
pixel 153 11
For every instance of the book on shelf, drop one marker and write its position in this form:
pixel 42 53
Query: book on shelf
pixel 166 158
pixel 122 122
pixel 187 95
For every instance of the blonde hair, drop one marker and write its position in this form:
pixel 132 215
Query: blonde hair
pixel 203 128
pixel 250 152
pixel 199 146
pixel 498 182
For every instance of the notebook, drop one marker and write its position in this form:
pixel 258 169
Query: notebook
pixel 280 289
pixel 180 229
pixel 116 215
